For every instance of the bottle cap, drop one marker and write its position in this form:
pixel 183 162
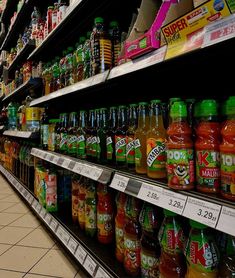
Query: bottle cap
pixel 155 101
pixel 133 105
pixel 143 103
pixel 209 108
pixel 230 106
pixel 121 106
pixel 113 24
pixel 197 225
pixel 169 213
pixel 99 20
pixel 174 99
pixel 178 109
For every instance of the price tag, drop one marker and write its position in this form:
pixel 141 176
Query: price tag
pixel 72 245
pixel 63 235
pixel 65 163
pixel 90 265
pixel 80 254
pixel 25 194
pixel 202 211
pixel 38 208
pixel 96 173
pixel 35 203
pixel 150 193
pixel 173 201
pixel 55 159
pixel 101 273
pixel 48 156
pixel 53 224
pixel 226 221
pixel 86 171
pixel 60 161
pixel 78 168
pixel 119 182
pixel 30 199
pixel 48 219
pixel 43 213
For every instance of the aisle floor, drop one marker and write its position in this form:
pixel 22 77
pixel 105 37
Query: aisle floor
pixel 27 249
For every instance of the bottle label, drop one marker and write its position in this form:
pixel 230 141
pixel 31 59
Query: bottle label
pixel 106 51
pixel 109 145
pixel 120 146
pixel 75 201
pixel 228 173
pixel 57 140
pixel 88 145
pixel 32 114
pixel 130 150
pixel 138 153
pixel 119 240
pixel 81 209
pixel 98 147
pixel 90 216
pixel 45 134
pixel 131 252
pixel 104 224
pixel 63 141
pixel 81 147
pixel 51 192
pixel 180 167
pixel 208 168
pixel 94 146
pixel 156 154
pixel 72 144
pixel 149 264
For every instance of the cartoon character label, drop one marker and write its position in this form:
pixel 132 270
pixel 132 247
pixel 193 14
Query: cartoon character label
pixel 131 253
pixel 104 224
pixel 119 240
pixel 149 265
pixel 228 173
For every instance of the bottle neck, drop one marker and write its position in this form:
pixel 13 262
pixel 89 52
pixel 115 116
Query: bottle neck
pixel 133 117
pixel 82 120
pixel 156 119
pixel 122 118
pixel 73 121
pixel 113 119
pixel 142 119
pixel 103 119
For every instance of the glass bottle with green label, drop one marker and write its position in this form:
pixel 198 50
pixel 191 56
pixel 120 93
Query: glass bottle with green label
pixel 156 143
pixel 130 143
pixel 89 128
pixel 64 133
pixel 72 134
pixel 101 137
pixel 57 134
pixel 69 67
pixel 94 139
pixel 44 129
pixel 120 136
pixel 141 138
pixel 79 60
pixel 110 136
pixel 87 57
pixel 81 135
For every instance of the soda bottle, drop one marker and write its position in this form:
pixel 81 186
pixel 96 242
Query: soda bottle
pixel 90 209
pixel 89 130
pixel 150 248
pixel 132 234
pixel 101 137
pixel 180 162
pixel 101 48
pixel 80 59
pixel 87 57
pixel 110 135
pixel 62 66
pixel 75 194
pixel 227 152
pixel 130 142
pixel 201 252
pixel 171 238
pixel 207 148
pixel 120 136
pixel 156 143
pixel 115 36
pixel 119 225
pixel 105 215
pixel 82 184
pixel 57 134
pixel 44 129
pixel 81 133
pixel 12 116
pixel 94 140
pixel 64 133
pixel 141 138
pixel 56 74
pixel 72 134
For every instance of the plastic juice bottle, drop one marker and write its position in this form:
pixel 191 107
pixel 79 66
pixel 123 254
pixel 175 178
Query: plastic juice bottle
pixel 156 143
pixel 141 138
pixel 105 215
pixel 227 152
pixel 180 162
pixel 115 36
pixel 51 190
pixel 94 140
pixel 87 57
pixel 90 209
pixel 130 134
pixel 81 201
pixel 171 238
pixel 44 129
pixel 89 128
pixel 207 148
pixel 80 59
pixel 120 137
pixel 81 133
pixel 201 252
pixel 75 193
pixel 150 248
pixel 64 133
pixel 110 136
pixel 101 137
pixel 72 134
pixel 119 225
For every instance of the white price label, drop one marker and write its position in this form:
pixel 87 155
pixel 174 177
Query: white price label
pixel 226 221
pixel 204 212
pixel 96 173
pixel 65 163
pixel 173 201
pixel 90 265
pixel 35 203
pixel 14 182
pixel 86 171
pixel 48 156
pixel 38 208
pixel 63 235
pixel 150 193
pixel 78 168
pixel 43 213
pixel 101 273
pixel 72 245
pixel 53 225
pixel 30 199
pixel 26 193
pixel 119 182
pixel 48 219
pixel 80 254
pixel 55 159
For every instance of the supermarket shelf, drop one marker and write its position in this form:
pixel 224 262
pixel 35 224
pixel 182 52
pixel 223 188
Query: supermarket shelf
pixel 79 86
pixel 95 172
pixel 21 134
pixel 2 127
pixel 29 84
pixel 8 11
pixel 71 241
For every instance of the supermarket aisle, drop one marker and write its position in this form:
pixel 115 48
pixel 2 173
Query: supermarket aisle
pixel 26 247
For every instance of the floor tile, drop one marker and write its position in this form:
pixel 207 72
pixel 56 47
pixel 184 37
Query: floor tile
pixel 17 208
pixel 4 206
pixel 55 263
pixel 38 238
pixel 7 218
pixel 12 235
pixel 27 220
pixel 39 276
pixel 4 247
pixel 20 258
pixel 12 199
pixel 56 246
pixel 4 195
pixel 82 274
pixel 11 274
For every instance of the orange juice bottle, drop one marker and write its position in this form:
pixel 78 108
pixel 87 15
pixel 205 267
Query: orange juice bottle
pixel 140 139
pixel 227 152
pixel 180 162
pixel 156 143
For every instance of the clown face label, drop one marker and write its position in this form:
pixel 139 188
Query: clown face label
pixel 131 253
pixel 104 224
pixel 149 264
pixel 228 173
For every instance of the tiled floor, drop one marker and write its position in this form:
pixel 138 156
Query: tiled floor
pixel 27 249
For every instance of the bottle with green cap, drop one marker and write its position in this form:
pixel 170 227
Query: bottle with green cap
pixel 201 252
pixel 78 66
pixel 207 148
pixel 101 136
pixel 101 48
pixel 171 238
pixel 170 103
pixel 72 140
pixel 110 136
pixel 64 133
pixel 156 142
pixel 180 160
pixel 81 135
pixel 227 152
pixel 115 36
pixel 87 56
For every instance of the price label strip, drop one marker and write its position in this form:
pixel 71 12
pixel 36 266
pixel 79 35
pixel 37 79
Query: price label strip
pixel 71 165
pixel 72 245
pixel 63 235
pixel 43 213
pixel 226 221
pixel 101 273
pixel 119 182
pixel 202 211
pixel 86 171
pixel 38 208
pixel 96 173
pixel 35 203
pixel 80 254
pixel 150 193
pixel 60 161
pixel 78 168
pixel 55 159
pixel 30 199
pixel 66 163
pixel 48 219
pixel 90 265
pixel 53 224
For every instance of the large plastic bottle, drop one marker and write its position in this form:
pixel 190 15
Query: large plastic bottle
pixel 180 160
pixel 156 143
pixel 201 252
pixel 171 238
pixel 227 152
pixel 207 148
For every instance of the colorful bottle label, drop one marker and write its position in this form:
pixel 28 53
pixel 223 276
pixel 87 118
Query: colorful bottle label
pixel 120 146
pixel 180 167
pixel 51 192
pixel 119 235
pixel 131 252
pixel 109 147
pixel 72 144
pixel 138 153
pixel 75 200
pixel 208 168
pixel 45 134
pixel 94 143
pixel 130 150
pixel 88 145
pixel 156 154
pixel 81 146
pixel 106 51
pixel 149 264
pixel 63 141
pixel 90 216
pixel 104 224
pixel 228 173
pixel 81 210
pixel 98 152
